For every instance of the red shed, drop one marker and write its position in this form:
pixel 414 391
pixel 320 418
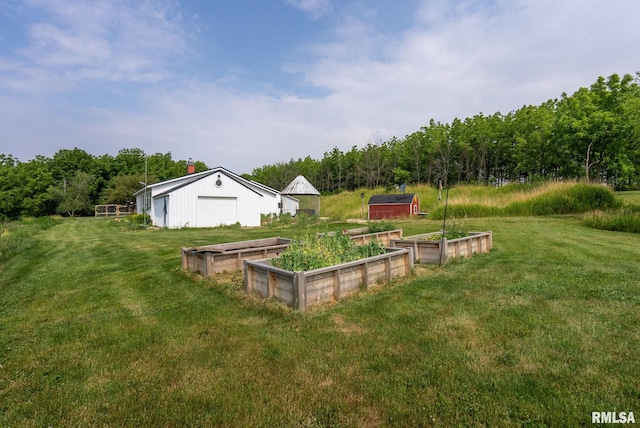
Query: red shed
pixel 390 206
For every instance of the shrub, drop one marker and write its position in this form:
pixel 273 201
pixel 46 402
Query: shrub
pixel 591 197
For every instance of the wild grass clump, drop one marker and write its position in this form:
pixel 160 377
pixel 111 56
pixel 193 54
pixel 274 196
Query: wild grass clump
pixel 578 198
pixel 621 220
pixel 301 219
pixel 275 220
pixel 315 252
pixel 380 226
pixel 17 236
pixel 465 210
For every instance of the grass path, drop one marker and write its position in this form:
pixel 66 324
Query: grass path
pixel 99 326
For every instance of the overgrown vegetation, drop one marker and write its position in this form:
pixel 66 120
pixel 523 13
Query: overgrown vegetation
pixel 18 236
pixel 559 198
pixel 454 229
pixel 380 226
pixel 318 251
pixel 301 219
pixel 466 201
pixel 621 220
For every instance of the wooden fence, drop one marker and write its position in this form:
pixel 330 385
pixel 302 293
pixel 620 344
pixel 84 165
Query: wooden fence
pixel 112 210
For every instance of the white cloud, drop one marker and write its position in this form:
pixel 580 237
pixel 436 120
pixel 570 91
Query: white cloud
pixel 105 41
pixel 314 8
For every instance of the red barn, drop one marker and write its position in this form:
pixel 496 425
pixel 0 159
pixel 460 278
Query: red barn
pixel 391 206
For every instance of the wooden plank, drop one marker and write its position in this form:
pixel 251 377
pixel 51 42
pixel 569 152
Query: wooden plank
pixel 302 291
pixel 365 275
pixel 242 245
pixel 248 278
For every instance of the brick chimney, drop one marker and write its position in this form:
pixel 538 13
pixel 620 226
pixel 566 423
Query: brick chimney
pixel 191 167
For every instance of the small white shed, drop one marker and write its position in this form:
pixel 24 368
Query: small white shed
pixel 305 193
pixel 211 198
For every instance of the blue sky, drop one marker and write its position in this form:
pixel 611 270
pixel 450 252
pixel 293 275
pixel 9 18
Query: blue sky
pixel 243 83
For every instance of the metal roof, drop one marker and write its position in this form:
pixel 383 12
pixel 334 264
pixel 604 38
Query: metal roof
pixel 391 199
pixel 300 186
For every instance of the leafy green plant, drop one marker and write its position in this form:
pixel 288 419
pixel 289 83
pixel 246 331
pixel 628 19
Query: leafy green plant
pixel 380 226
pixel 315 252
pixel 454 229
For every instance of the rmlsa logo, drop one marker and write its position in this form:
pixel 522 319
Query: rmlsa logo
pixel 612 418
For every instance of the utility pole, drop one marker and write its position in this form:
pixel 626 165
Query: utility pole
pixel 144 213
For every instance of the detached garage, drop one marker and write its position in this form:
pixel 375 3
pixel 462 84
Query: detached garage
pixel 211 198
pixel 392 206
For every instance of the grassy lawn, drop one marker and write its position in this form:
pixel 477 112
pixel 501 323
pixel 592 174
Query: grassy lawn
pixel 100 326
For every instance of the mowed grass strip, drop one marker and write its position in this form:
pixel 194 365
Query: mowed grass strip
pixel 99 326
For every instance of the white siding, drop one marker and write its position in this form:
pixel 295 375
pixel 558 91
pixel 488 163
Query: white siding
pixel 289 205
pixel 205 200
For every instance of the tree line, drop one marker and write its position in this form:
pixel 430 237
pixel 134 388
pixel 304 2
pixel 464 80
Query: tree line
pixel 593 134
pixel 73 181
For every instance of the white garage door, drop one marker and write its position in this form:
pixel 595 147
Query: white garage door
pixel 214 211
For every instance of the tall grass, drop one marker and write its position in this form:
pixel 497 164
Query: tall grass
pixel 622 220
pixel 541 198
pixel 545 199
pixel 18 236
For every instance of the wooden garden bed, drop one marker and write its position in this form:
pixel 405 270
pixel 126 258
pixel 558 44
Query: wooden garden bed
pixel 441 251
pixel 209 259
pixel 360 237
pixel 303 289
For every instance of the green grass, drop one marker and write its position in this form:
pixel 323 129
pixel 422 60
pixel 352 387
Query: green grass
pixel 100 326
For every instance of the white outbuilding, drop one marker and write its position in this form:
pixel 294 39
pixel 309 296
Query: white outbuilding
pixel 307 195
pixel 211 198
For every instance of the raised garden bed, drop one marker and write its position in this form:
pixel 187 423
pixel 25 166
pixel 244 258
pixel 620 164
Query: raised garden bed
pixel 440 251
pixel 301 289
pixel 209 259
pixel 361 237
